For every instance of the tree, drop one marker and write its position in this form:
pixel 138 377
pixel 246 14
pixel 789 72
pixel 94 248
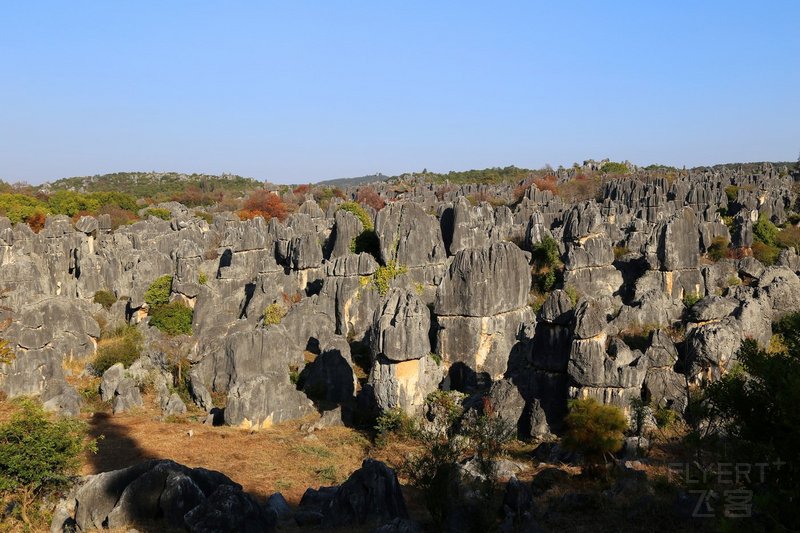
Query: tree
pixel 38 454
pixel 368 196
pixel 758 406
pixel 263 203
pixel 595 430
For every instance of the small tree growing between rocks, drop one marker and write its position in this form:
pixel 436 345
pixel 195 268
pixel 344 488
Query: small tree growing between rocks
pixel 38 454
pixel 594 430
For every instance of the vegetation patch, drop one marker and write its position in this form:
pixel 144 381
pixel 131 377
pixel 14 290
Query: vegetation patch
pixel 38 455
pixel 123 346
pixel 104 298
pixel 158 212
pixel 159 291
pixel 173 319
pixel 274 313
pixel 383 277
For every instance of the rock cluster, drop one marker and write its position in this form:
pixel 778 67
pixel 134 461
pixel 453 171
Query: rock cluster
pixel 289 321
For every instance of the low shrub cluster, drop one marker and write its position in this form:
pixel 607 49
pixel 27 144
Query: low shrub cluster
pixel 38 454
pixel 122 346
pixel 173 318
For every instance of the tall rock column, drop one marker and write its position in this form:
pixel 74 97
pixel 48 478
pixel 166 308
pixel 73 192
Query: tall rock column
pixel 481 308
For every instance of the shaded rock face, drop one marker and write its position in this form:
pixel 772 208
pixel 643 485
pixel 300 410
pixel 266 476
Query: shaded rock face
pixel 371 496
pixel 161 492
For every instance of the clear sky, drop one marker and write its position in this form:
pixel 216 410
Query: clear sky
pixel 298 91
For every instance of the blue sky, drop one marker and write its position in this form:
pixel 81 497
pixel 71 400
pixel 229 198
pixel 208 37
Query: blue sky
pixel 301 91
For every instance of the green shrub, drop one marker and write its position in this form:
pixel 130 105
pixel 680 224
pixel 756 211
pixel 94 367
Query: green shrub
pixel 123 346
pixel 173 319
pixel 594 430
pixel 385 274
pixel 202 278
pixel 449 402
pixel 718 248
pixel 38 454
pixel 758 407
pixel 6 353
pixel 614 168
pixel 202 215
pixel 573 295
pixel 273 314
pixel 356 209
pixel 731 192
pixel 765 253
pixel 159 291
pixel 158 212
pixel 765 231
pixel 665 417
pixel 690 299
pixel 394 421
pixel 105 298
pixel 546 254
pixel 545 281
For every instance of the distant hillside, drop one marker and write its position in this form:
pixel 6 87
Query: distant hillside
pixel 149 184
pixel 351 182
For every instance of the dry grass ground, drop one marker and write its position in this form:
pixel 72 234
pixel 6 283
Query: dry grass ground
pixel 282 459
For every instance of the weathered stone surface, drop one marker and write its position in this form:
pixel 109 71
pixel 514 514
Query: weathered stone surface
pixel 405 384
pixel 484 282
pixel 401 327
pixel 590 319
pixel 263 401
pixel 711 348
pixel 409 236
pixel 484 344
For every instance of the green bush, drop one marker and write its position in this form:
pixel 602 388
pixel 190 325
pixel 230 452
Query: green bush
pixel 594 430
pixel 573 295
pixel 173 319
pixel 202 215
pixel 20 207
pixel 273 314
pixel 123 346
pixel 6 353
pixel 158 212
pixel 358 211
pixel 202 278
pixel 758 407
pixel 159 291
pixel 690 299
pixel 614 168
pixel 731 192
pixel 765 231
pixel 394 421
pixel 545 281
pixel 546 254
pixel 38 454
pixel 765 253
pixel 385 274
pixel 718 248
pixel 105 298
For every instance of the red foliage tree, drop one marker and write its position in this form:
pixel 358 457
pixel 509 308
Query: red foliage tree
pixel 368 196
pixel 264 204
pixel 548 183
